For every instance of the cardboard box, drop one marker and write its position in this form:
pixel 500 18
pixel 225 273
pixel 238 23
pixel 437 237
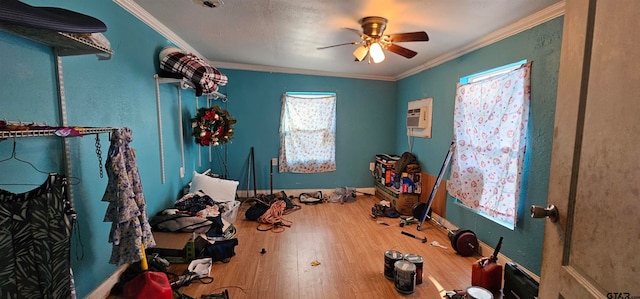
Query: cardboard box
pixel 384 171
pixel 402 202
pixel 415 184
pixel 174 247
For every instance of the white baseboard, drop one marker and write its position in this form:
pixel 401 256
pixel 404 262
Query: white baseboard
pixel 103 290
pixel 296 192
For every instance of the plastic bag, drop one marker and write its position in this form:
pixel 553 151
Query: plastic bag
pixel 343 194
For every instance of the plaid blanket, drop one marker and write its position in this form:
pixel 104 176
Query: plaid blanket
pixel 205 77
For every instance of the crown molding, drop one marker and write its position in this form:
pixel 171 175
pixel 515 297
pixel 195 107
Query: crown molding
pixel 144 16
pixel 544 15
pixel 264 68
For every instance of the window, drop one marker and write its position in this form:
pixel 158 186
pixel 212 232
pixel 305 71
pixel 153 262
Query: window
pixel 307 132
pixel 490 132
pixel 492 72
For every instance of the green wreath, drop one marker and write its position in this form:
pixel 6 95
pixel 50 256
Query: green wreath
pixel 212 126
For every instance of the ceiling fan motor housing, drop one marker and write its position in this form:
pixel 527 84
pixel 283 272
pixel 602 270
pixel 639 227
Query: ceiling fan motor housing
pixel 373 26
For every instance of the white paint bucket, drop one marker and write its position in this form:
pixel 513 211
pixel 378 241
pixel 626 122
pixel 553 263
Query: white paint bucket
pixel 478 293
pixel 405 281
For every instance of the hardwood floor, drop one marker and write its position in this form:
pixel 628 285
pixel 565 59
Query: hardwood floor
pixel 349 245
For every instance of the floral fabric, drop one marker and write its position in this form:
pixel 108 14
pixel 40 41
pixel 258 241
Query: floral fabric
pixel 307 134
pixel 490 126
pixel 127 207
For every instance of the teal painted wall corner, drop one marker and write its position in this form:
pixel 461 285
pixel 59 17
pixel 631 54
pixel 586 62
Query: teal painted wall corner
pixel 541 45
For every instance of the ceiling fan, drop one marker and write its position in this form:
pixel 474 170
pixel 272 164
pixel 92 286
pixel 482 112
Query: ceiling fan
pixel 374 40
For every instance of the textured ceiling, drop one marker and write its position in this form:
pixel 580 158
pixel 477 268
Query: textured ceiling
pixel 283 35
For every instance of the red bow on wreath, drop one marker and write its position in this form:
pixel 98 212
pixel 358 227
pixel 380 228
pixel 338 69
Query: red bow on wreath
pixel 212 126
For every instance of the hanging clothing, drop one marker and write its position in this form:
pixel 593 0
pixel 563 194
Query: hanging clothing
pixel 35 234
pixel 130 228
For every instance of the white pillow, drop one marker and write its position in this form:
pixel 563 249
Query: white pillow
pixel 218 189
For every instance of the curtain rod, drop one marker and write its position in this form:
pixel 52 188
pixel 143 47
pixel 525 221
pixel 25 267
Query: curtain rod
pixel 315 93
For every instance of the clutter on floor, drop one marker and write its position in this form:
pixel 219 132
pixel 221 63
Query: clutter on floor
pixel 148 284
pixel 518 284
pixel 311 198
pixel 405 270
pixel 158 281
pixel 200 267
pixel 407 221
pixel 222 295
pixel 398 179
pixel 487 272
pixel 383 209
pixel 423 239
pixel 471 293
pixel 342 195
pixel 269 211
pixel 197 230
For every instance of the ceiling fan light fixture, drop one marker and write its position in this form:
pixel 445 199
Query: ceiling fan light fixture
pixel 373 26
pixel 361 52
pixel 373 40
pixel 376 53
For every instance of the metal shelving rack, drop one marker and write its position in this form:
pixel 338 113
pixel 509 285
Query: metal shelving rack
pixel 63 44
pixel 181 84
pixel 51 132
pixel 66 44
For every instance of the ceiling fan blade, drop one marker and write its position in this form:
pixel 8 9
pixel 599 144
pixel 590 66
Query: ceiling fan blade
pixel 419 36
pixel 402 51
pixel 343 44
pixel 356 31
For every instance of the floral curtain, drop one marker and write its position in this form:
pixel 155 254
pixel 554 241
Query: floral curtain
pixel 308 133
pixel 490 126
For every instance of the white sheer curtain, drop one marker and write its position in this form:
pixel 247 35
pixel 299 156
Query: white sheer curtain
pixel 307 133
pixel 490 132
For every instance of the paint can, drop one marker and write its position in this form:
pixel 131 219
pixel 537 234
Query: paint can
pixel 405 281
pixel 390 258
pixel 475 292
pixel 419 262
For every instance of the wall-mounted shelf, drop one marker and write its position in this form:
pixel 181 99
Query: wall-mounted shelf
pixel 66 44
pixel 180 84
pixel 52 132
pixel 186 84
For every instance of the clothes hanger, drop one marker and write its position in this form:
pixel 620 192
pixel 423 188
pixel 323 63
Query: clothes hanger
pixel 14 157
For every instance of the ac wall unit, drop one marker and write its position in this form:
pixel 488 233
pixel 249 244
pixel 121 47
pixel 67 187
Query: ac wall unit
pixel 419 118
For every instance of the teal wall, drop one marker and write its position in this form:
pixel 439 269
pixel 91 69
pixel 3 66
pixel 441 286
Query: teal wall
pixel 121 93
pixel 365 109
pixel 370 119
pixel 541 45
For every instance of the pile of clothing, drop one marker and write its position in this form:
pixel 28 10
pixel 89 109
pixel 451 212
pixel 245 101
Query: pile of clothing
pixel 193 212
